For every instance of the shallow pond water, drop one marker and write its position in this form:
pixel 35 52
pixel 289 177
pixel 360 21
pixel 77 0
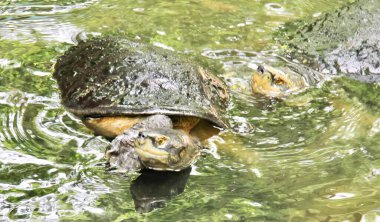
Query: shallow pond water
pixel 314 157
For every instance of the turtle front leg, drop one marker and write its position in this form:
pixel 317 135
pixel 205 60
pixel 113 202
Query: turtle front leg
pixel 122 154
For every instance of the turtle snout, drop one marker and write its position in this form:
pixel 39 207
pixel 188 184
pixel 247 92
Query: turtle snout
pixel 142 135
pixel 141 139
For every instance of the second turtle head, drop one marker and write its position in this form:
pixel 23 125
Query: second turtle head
pixel 272 82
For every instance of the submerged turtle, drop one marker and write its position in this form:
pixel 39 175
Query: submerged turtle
pixel 283 81
pixel 156 103
pixel 342 42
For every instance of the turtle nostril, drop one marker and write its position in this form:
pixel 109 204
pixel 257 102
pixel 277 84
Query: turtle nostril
pixel 142 135
pixel 261 69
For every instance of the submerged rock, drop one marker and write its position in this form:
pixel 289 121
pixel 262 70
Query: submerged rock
pixel 342 42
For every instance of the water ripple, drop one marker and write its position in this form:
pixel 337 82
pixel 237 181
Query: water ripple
pixel 35 29
pixel 38 126
pixel 281 161
pixel 40 142
pixel 19 8
pixel 236 57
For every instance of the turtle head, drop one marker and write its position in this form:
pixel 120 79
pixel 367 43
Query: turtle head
pixel 166 149
pixel 272 82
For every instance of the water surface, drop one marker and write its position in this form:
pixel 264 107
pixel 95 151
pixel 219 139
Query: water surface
pixel 314 157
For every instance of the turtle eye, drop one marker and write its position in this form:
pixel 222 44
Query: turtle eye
pixel 261 69
pixel 161 140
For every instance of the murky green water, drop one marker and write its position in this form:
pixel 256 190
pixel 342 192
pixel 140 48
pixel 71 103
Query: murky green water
pixel 314 157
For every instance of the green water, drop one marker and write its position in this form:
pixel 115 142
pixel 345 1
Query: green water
pixel 314 157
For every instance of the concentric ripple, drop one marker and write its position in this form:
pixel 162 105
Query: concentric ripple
pixel 45 151
pixel 38 126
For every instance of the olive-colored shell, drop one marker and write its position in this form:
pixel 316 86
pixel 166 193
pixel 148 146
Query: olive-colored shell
pixel 112 77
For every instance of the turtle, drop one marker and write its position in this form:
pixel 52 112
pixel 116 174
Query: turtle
pixel 344 42
pixel 282 81
pixel 155 105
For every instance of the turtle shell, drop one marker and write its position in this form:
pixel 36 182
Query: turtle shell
pixel 113 77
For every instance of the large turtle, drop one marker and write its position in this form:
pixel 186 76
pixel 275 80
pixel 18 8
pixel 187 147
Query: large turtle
pixel 343 42
pixel 157 104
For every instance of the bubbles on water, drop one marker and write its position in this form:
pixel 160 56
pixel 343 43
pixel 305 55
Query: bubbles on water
pixel 232 38
pixel 276 8
pixel 138 9
pixel 339 196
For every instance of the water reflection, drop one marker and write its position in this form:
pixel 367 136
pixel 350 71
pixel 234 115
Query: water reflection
pixel 152 189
